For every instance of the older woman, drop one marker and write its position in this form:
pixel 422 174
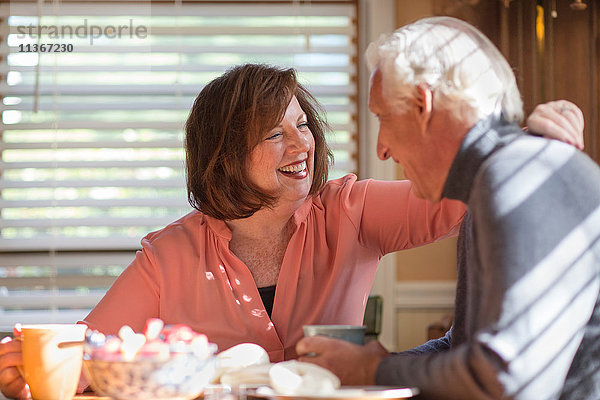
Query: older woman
pixel 272 245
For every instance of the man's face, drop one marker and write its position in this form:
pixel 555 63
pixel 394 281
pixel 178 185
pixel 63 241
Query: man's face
pixel 401 137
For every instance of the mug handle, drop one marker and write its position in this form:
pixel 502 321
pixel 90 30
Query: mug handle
pixel 68 344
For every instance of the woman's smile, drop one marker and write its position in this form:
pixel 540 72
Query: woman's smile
pixel 295 170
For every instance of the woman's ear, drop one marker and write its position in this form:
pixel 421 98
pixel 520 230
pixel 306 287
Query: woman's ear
pixel 425 105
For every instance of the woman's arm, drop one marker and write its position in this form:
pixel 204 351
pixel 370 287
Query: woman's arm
pixel 395 219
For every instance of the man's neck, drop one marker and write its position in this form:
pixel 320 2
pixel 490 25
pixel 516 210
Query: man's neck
pixel 446 134
pixel 478 144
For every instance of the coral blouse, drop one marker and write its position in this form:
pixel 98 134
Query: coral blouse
pixel 185 273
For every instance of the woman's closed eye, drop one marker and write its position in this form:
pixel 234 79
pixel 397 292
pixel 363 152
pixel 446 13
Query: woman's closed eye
pixel 273 136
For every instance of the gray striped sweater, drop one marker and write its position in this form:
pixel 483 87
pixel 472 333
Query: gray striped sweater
pixel 527 321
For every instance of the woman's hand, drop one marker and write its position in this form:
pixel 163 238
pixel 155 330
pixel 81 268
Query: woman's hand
pixel 12 383
pixel 561 120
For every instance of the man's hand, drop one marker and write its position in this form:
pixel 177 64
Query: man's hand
pixel 353 364
pixel 561 120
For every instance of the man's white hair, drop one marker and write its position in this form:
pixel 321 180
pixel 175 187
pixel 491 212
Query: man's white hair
pixel 467 74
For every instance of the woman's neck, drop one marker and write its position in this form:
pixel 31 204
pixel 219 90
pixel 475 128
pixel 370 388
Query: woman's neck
pixel 263 224
pixel 260 242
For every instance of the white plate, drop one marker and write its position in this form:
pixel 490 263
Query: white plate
pixel 345 393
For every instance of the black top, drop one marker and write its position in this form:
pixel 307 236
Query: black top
pixel 267 294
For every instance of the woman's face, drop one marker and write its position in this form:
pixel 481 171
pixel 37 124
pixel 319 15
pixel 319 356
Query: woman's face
pixel 282 164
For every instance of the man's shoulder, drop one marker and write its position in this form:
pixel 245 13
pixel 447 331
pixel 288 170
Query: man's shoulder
pixel 530 158
pixel 534 176
pixel 533 151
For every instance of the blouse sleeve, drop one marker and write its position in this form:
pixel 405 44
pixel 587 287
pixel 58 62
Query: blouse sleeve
pixel 393 218
pixel 132 299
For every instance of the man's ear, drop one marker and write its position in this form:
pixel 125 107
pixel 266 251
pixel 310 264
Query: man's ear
pixel 425 105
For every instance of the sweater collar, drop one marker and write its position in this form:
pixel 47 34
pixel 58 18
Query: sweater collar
pixel 484 138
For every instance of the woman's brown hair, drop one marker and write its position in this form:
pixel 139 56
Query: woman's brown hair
pixel 228 119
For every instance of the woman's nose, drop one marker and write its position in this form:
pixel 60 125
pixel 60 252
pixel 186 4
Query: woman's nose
pixel 300 141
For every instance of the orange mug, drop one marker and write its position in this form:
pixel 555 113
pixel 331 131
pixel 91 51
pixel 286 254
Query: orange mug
pixel 52 359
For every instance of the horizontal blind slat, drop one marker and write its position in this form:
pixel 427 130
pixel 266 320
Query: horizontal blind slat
pixel 68 260
pixel 118 125
pixel 207 10
pixel 27 299
pixel 177 164
pixel 9 318
pixel 150 144
pixel 216 68
pixel 184 104
pixel 162 183
pixel 99 203
pixel 125 90
pixel 7 50
pixel 196 30
pixel 170 144
pixel 61 281
pixel 344 165
pixel 105 221
pixel 61 243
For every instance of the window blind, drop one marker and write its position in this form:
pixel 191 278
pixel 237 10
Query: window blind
pixel 91 130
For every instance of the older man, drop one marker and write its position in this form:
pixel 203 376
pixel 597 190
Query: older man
pixel 527 320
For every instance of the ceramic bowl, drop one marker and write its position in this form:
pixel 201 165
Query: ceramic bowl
pixel 183 376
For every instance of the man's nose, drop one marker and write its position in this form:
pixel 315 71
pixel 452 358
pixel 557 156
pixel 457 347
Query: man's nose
pixel 383 152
